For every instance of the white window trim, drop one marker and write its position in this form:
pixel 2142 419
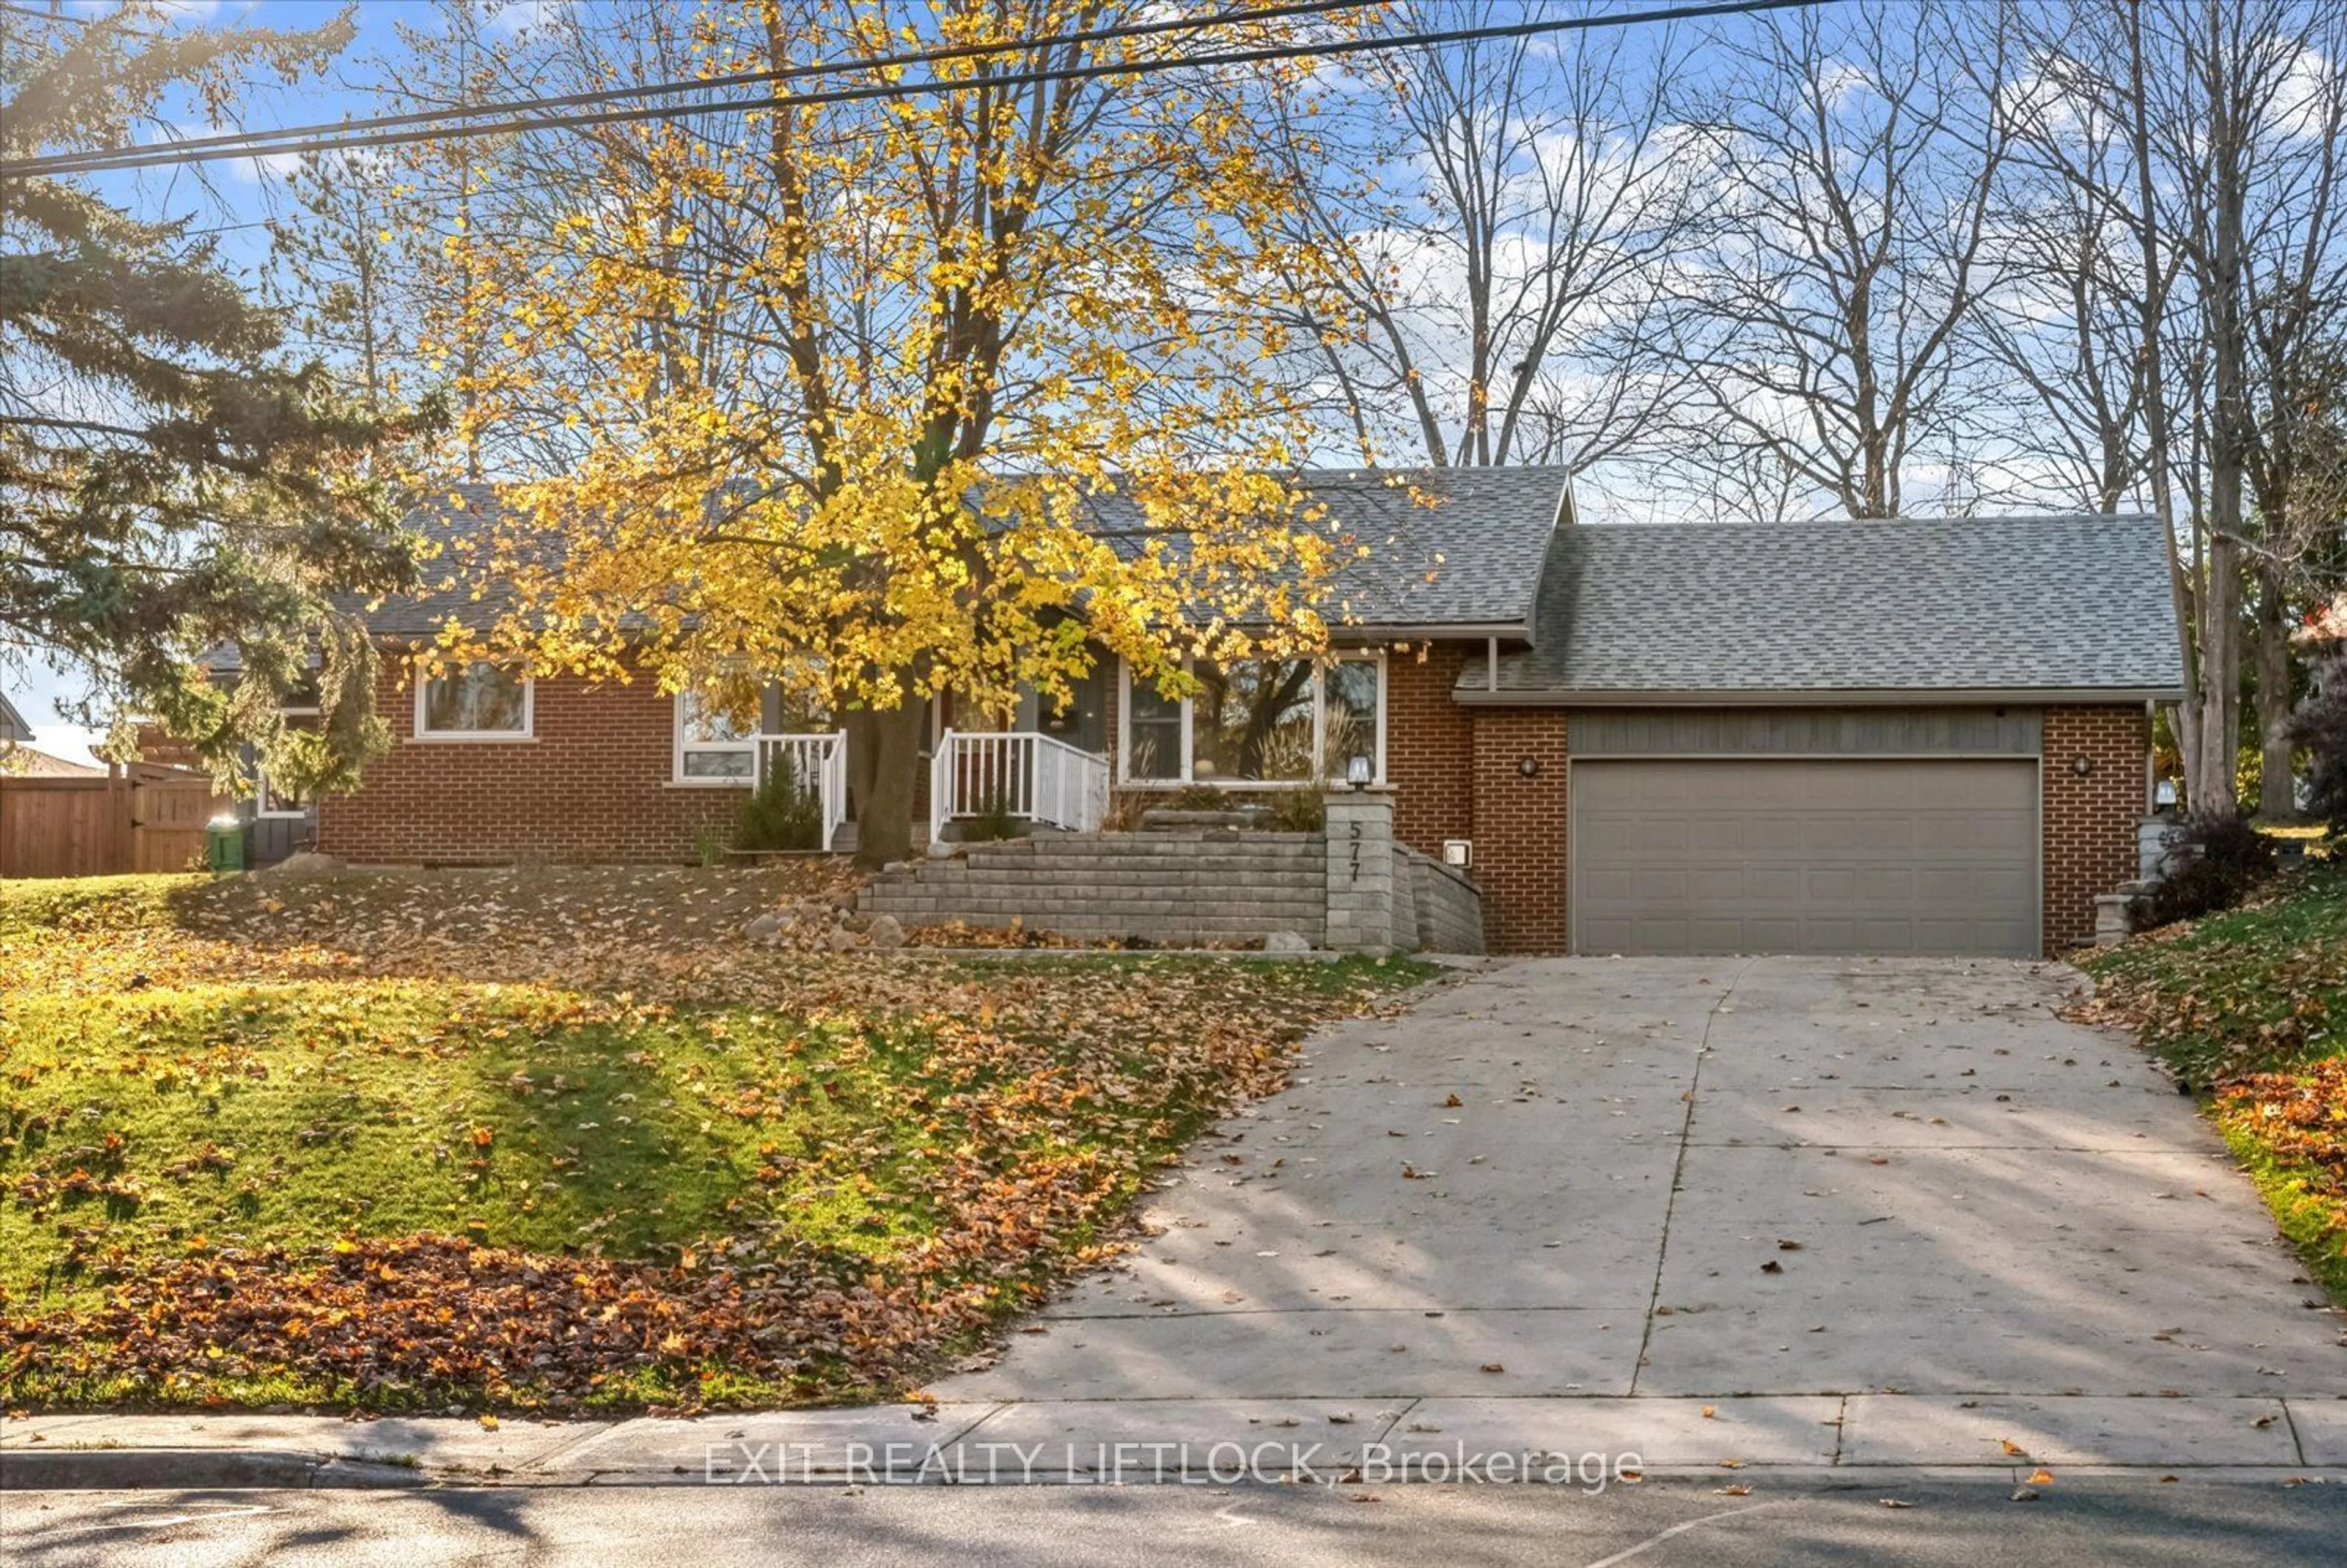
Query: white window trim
pixel 1320 722
pixel 529 731
pixel 263 795
pixel 676 774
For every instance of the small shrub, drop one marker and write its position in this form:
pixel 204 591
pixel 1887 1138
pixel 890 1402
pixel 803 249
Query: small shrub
pixel 1201 797
pixel 1124 809
pixel 992 821
pixel 2233 857
pixel 1297 811
pixel 708 847
pixel 781 813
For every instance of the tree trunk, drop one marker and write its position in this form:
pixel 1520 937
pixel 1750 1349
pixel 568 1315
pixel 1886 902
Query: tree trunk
pixel 2220 596
pixel 883 762
pixel 2277 788
pixel 2183 590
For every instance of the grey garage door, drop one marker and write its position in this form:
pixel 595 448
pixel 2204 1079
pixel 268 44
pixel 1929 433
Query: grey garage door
pixel 1796 855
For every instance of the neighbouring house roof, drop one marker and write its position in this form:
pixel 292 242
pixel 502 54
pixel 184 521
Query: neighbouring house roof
pixel 12 724
pixel 23 762
pixel 1455 550
pixel 1997 608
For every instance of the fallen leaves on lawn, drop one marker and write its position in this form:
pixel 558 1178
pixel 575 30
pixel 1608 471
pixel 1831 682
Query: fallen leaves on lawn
pixel 2300 1116
pixel 1053 1087
pixel 392 1321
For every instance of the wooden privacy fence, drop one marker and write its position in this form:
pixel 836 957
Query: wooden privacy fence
pixel 147 819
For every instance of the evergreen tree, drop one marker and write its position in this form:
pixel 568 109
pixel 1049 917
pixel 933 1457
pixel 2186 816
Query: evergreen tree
pixel 172 479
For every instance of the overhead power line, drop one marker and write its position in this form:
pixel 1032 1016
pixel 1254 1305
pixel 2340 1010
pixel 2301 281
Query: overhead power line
pixel 510 108
pixel 40 15
pixel 269 143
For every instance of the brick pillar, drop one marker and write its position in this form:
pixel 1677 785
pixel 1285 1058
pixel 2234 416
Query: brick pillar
pixel 2090 818
pixel 1361 870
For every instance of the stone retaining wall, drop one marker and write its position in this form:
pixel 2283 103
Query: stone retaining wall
pixel 1350 888
pixel 1183 887
pixel 1449 906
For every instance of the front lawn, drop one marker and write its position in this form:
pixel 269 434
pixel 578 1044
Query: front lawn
pixel 562 1141
pixel 2250 1010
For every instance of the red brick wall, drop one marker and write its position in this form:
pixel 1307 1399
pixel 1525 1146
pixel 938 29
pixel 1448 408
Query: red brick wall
pixel 592 786
pixel 2089 822
pixel 1520 828
pixel 1429 745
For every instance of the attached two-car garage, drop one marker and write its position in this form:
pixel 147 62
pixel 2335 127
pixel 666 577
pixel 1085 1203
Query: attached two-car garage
pixel 1805 856
pixel 1900 736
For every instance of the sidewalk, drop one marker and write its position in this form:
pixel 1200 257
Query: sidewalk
pixel 1093 1441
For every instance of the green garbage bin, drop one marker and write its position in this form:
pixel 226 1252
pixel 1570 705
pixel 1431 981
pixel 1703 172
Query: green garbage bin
pixel 224 844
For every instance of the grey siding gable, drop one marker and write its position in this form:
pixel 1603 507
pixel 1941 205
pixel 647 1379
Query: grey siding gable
pixel 1806 732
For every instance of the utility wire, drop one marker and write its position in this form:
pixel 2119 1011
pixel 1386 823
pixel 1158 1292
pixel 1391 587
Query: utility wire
pixel 513 106
pixel 256 143
pixel 39 15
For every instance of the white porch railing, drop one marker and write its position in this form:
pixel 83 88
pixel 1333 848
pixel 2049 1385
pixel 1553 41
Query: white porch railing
pixel 816 761
pixel 1020 773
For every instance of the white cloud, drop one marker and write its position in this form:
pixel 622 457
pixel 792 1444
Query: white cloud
pixel 518 14
pixel 261 170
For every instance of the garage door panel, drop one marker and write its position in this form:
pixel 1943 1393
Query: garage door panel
pixel 1781 855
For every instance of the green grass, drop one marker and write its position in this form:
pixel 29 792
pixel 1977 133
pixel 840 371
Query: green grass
pixel 30 908
pixel 292 1114
pixel 2250 1010
pixel 180 1116
pixel 2246 990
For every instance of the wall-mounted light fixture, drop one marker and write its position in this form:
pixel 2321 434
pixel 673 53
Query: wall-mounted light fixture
pixel 2082 765
pixel 1529 767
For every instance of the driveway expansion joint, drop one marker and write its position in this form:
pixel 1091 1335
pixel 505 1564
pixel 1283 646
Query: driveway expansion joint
pixel 1679 1170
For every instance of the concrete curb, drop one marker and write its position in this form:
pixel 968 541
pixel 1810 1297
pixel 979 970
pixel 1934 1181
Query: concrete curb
pixel 179 1469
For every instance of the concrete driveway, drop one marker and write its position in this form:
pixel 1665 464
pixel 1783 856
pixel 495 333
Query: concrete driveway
pixel 1702 1179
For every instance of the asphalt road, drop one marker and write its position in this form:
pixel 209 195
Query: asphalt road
pixel 2084 1523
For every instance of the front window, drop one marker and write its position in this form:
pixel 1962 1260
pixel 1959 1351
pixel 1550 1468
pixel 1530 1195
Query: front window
pixel 1351 710
pixel 478 703
pixel 1152 725
pixel 1251 721
pixel 1258 722
pixel 711 746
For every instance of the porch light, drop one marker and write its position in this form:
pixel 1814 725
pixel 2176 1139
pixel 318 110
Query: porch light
pixel 1357 773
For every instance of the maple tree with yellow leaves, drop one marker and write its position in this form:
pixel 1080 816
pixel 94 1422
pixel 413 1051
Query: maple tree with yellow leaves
pixel 841 384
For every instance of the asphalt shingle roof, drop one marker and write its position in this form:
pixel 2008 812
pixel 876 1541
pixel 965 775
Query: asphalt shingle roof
pixel 453 515
pixel 1449 547
pixel 1456 546
pixel 2068 603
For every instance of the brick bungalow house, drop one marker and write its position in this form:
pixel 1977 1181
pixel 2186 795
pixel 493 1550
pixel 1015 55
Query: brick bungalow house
pixel 1910 736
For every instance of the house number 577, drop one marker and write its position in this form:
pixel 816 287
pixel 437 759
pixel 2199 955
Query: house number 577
pixel 1356 852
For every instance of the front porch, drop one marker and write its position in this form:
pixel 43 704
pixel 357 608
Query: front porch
pixel 1022 779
